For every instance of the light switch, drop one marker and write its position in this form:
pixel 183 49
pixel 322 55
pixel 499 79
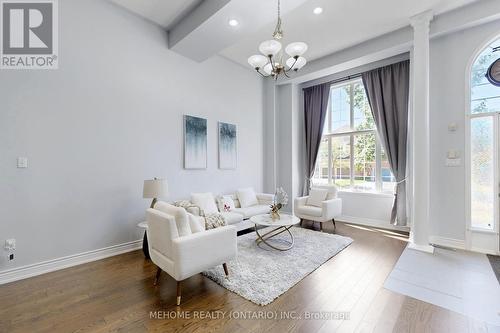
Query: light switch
pixel 22 162
pixel 452 153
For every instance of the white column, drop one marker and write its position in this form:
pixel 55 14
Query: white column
pixel 419 235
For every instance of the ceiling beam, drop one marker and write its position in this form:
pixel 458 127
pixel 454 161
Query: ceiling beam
pixel 198 35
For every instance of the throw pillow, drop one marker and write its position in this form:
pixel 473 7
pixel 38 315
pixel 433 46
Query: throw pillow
pixel 183 203
pixel 205 201
pixel 226 203
pixel 196 223
pixel 214 221
pixel 316 197
pixel 247 197
pixel 188 206
pixel 332 192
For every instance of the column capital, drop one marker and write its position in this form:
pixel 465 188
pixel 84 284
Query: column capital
pixel 422 20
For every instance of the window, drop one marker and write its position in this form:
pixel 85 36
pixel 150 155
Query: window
pixel 350 154
pixel 483 123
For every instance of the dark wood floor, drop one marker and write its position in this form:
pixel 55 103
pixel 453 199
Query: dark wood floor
pixel 117 295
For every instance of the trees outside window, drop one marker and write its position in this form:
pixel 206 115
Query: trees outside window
pixel 350 154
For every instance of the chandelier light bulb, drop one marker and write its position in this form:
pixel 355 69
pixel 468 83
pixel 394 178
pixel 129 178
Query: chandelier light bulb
pixel 296 49
pixel 270 47
pixel 257 61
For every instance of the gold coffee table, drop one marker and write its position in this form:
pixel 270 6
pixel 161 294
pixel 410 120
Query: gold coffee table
pixel 281 225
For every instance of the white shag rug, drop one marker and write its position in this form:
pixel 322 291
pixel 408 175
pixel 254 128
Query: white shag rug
pixel 260 274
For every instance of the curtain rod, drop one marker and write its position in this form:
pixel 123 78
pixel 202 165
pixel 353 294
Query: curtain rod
pixel 343 79
pixel 346 78
pixel 358 71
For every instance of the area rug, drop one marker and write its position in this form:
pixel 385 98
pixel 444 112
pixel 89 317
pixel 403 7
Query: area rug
pixel 260 274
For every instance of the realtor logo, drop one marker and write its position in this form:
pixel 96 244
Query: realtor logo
pixel 29 34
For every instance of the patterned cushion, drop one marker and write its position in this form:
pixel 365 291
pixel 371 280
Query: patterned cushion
pixel 188 206
pixel 183 203
pixel 214 220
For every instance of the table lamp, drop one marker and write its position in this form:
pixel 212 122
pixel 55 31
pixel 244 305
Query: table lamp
pixel 153 189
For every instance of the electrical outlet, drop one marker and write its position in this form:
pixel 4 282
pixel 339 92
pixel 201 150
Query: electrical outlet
pixel 22 162
pixel 10 244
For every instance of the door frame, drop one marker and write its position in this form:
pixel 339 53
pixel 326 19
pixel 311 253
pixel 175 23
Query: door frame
pixel 475 238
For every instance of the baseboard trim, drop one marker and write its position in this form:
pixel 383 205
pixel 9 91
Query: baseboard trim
pixel 484 251
pixel 422 248
pixel 371 223
pixel 452 243
pixel 43 267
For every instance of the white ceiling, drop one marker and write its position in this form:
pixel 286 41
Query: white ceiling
pixel 162 12
pixel 343 23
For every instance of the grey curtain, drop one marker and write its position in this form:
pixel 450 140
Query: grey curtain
pixel 315 105
pixel 387 89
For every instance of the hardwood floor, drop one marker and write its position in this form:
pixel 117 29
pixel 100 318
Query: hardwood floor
pixel 117 295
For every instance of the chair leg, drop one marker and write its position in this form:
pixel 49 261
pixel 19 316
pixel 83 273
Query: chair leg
pixel 225 269
pixel 301 220
pixel 178 293
pixel 157 277
pixel 321 226
pixel 334 225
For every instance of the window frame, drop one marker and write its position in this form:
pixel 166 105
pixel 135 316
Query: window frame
pixel 352 133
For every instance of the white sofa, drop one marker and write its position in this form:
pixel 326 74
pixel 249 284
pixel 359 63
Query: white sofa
pixel 239 216
pixel 180 245
pixel 327 211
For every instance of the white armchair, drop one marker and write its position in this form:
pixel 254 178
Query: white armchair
pixel 180 246
pixel 326 211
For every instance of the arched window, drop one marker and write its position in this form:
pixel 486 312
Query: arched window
pixel 484 113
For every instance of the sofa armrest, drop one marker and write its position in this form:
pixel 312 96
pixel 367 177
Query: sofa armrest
pixel 265 198
pixel 300 201
pixel 197 252
pixel 331 208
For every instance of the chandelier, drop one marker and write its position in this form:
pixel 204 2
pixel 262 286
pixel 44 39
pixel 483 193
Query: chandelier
pixel 270 63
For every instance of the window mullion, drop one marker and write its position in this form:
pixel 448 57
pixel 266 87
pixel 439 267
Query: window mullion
pixel 351 136
pixel 378 164
pixel 351 159
pixel 330 160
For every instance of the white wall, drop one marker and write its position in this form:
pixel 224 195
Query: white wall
pixel 449 58
pixel 367 208
pixel 289 134
pixel 108 118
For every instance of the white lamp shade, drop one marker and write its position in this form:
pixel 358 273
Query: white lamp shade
pixel 296 49
pixel 257 61
pixel 155 188
pixel 270 47
pixel 301 61
pixel 268 69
